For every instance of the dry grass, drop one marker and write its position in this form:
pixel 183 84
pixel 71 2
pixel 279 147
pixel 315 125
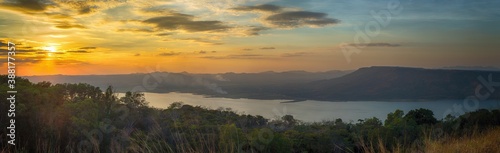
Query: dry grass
pixel 487 142
pixel 475 142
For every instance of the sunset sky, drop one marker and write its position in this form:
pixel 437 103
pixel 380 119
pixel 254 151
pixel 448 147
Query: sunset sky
pixel 211 36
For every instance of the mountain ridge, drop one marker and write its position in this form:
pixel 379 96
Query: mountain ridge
pixel 387 83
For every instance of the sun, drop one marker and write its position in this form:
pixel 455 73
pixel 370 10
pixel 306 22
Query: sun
pixel 50 49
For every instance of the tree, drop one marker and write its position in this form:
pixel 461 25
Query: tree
pixel 289 120
pixel 421 116
pixel 394 118
pixel 134 100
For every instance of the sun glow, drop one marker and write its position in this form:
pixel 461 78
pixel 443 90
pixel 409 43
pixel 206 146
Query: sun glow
pixel 50 49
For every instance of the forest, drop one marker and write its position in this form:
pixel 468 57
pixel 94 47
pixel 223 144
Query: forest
pixel 84 118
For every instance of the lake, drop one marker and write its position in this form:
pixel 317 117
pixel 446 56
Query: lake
pixel 311 110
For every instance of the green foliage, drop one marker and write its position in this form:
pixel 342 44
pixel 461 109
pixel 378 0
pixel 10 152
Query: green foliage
pixel 421 116
pixel 83 115
pixel 231 139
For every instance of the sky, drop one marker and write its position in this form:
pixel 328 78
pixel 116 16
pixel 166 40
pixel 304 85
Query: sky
pixel 74 37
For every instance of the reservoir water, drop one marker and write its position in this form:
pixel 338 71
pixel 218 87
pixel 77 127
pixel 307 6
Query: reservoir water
pixel 311 110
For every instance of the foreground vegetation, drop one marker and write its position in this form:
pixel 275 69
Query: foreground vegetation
pixel 83 118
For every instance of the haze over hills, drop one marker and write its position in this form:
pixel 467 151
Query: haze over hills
pixel 370 83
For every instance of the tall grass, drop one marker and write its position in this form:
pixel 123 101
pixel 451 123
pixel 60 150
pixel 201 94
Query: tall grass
pixel 475 142
pixel 484 141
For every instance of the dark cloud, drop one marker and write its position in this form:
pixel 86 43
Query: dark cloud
pixel 178 21
pixel 20 50
pixel 88 48
pixel 263 8
pixel 25 6
pixel 295 19
pixel 169 54
pixel 288 19
pixel 137 54
pixel 164 34
pixel 78 51
pixel 136 30
pixel 375 45
pixel 253 31
pixel 86 9
pixel 267 48
pixel 67 25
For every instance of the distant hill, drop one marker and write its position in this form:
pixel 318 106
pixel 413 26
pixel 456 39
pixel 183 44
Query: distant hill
pixel 370 83
pixel 479 68
pixel 235 85
pixel 400 83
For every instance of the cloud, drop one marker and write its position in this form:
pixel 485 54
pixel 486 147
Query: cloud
pixel 237 56
pixel 67 25
pixel 294 19
pixel 202 41
pixel 262 8
pixel 245 56
pixel 70 62
pixel 31 60
pixel 267 48
pixel 25 6
pixel 22 50
pixel 78 51
pixel 289 18
pixel 375 45
pixel 47 53
pixel 137 54
pixel 87 9
pixel 164 34
pixel 247 49
pixel 205 52
pixel 296 54
pixel 88 48
pixel 169 54
pixel 178 21
pixel 136 30
pixel 255 30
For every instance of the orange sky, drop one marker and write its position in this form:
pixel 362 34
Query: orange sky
pixel 208 36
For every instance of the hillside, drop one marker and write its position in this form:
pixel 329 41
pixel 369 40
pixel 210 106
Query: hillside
pixel 370 83
pixel 399 83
